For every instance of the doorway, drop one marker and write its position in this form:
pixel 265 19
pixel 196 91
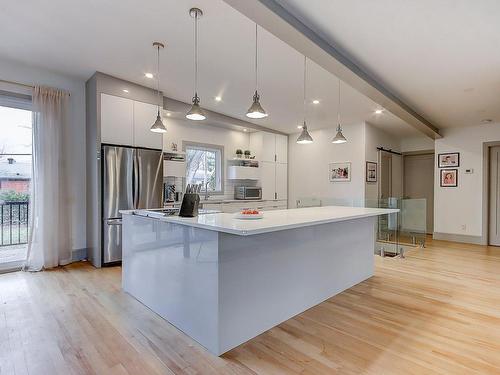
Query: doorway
pixel 419 183
pixel 494 196
pixel 15 178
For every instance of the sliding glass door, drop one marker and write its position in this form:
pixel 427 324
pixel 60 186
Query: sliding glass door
pixel 15 178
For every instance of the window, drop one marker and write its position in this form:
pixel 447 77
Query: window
pixel 15 176
pixel 204 165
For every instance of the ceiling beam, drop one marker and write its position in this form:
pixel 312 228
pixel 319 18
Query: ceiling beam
pixel 273 17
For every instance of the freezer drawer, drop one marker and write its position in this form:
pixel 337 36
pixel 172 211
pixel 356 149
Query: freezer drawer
pixel 112 240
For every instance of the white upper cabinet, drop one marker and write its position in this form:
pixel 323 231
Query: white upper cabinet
pixel 281 148
pixel 144 117
pixel 269 146
pixel 281 181
pixel 127 122
pixel 117 120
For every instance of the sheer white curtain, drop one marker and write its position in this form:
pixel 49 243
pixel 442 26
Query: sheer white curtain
pixel 49 241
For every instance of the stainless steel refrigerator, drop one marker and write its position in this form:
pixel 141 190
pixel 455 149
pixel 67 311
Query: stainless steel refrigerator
pixel 132 178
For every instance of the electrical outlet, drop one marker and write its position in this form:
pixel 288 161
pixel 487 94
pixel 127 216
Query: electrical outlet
pixel 464 227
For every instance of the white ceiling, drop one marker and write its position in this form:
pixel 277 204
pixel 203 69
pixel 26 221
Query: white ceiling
pixel 115 36
pixel 440 56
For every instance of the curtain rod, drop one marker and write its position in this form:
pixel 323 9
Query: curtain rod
pixel 389 151
pixel 16 83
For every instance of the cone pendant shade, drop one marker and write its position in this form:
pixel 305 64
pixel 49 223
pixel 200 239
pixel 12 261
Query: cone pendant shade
pixel 256 110
pixel 339 137
pixel 196 113
pixel 158 126
pixel 304 137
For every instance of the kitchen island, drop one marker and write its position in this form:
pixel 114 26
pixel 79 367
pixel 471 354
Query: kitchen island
pixel 223 280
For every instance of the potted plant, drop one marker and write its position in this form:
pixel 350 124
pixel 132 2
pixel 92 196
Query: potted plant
pixel 247 154
pixel 239 153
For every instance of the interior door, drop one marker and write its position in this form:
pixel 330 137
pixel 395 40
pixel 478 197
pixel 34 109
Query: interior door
pixel 149 178
pixel 385 175
pixel 494 197
pixel 419 183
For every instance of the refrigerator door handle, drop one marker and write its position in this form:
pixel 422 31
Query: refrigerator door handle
pixel 135 177
pixel 114 221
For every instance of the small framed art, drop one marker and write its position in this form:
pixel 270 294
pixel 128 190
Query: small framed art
pixel 340 172
pixel 449 160
pixel 371 171
pixel 449 178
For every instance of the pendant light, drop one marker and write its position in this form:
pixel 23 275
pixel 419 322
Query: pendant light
pixel 158 126
pixel 304 137
pixel 196 113
pixel 339 137
pixel 256 111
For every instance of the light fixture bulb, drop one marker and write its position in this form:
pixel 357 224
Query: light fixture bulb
pixel 304 137
pixel 378 111
pixel 316 101
pixel 256 110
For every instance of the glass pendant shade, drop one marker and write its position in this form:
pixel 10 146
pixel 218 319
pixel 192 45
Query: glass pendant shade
pixel 304 137
pixel 158 126
pixel 256 110
pixel 339 137
pixel 196 113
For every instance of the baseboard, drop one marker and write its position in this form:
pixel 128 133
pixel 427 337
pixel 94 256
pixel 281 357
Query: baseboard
pixel 475 240
pixel 79 254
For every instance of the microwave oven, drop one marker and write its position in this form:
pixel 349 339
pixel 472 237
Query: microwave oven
pixel 247 193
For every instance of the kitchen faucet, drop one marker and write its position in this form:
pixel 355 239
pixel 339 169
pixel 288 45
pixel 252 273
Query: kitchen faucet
pixel 206 191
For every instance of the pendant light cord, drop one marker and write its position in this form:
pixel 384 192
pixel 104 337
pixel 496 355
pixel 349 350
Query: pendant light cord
pixel 304 104
pixel 338 110
pixel 196 54
pixel 256 72
pixel 158 76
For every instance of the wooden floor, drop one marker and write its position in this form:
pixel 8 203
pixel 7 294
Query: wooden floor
pixel 435 312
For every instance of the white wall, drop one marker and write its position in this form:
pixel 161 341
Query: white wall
pixel 462 206
pixel 308 166
pixel 14 71
pixel 184 130
pixel 422 143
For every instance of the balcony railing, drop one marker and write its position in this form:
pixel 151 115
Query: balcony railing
pixel 14 223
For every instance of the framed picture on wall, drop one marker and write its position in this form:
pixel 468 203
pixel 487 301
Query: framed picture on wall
pixel 449 178
pixel 371 171
pixel 449 160
pixel 340 172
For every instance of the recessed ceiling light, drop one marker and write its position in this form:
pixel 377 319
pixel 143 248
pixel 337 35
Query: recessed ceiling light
pixel 125 90
pixel 169 114
pixel 149 75
pixel 379 111
pixel 486 121
pixel 299 126
pixel 245 129
pixel 315 101
pixel 218 98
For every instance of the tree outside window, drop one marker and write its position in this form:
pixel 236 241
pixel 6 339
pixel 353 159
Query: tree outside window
pixel 203 165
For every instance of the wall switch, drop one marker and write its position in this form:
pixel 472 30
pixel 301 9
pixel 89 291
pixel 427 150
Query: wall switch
pixel 464 227
pixel 469 170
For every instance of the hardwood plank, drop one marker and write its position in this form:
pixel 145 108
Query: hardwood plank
pixel 435 312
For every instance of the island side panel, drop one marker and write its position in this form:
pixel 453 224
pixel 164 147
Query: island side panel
pixel 172 269
pixel 268 278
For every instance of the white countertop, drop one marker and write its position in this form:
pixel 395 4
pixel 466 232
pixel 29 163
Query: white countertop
pixel 274 220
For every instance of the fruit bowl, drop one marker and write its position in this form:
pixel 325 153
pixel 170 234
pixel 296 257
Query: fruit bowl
pixel 249 214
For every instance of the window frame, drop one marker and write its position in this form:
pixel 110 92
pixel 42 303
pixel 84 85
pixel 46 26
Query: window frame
pixel 208 147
